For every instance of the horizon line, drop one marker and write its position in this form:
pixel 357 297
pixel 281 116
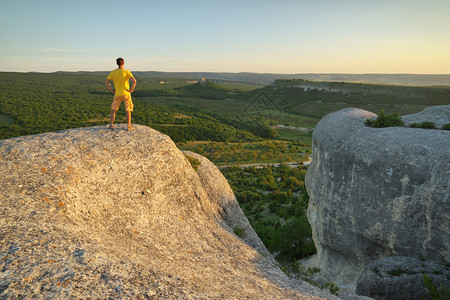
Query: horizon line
pixel 240 72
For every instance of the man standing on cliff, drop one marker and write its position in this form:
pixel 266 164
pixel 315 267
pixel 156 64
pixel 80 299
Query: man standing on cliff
pixel 120 77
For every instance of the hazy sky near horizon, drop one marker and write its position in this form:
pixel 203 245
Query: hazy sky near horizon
pixel 283 36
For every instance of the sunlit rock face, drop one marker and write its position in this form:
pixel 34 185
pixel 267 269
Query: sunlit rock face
pixel 96 213
pixel 377 192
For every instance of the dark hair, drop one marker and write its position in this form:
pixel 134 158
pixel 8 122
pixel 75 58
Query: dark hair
pixel 120 61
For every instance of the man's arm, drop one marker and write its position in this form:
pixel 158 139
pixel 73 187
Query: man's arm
pixel 133 86
pixel 108 85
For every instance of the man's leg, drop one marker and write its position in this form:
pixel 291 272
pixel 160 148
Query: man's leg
pixel 113 116
pixel 129 127
pixel 129 108
pixel 128 118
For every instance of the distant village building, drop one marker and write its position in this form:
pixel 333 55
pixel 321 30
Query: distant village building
pixel 202 81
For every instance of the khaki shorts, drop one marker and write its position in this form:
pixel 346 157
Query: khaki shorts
pixel 127 100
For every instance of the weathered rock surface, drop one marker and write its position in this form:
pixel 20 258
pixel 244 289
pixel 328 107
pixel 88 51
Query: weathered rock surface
pixel 95 213
pixel 439 115
pixel 399 277
pixel 220 192
pixel 376 193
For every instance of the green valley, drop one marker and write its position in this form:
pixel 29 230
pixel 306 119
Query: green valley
pixel 230 122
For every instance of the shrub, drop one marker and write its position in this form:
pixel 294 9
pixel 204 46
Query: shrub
pixel 193 161
pixel 293 239
pixel 377 271
pixel 334 289
pixel 239 231
pixel 248 196
pixel 426 125
pixel 281 197
pixel 385 121
pixel 435 292
pixel 292 183
pixel 446 126
pixel 299 271
pixel 273 206
pixel 396 272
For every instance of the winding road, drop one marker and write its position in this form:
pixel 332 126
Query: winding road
pixel 258 166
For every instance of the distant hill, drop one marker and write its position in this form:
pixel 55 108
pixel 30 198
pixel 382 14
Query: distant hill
pixel 268 78
pixel 317 99
pixel 393 79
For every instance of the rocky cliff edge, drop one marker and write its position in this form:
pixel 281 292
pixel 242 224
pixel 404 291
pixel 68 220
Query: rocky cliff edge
pixel 378 192
pixel 96 213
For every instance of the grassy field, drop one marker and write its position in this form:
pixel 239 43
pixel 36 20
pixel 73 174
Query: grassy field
pixel 295 135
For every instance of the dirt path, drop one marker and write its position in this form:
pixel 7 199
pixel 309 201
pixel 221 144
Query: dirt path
pixel 303 129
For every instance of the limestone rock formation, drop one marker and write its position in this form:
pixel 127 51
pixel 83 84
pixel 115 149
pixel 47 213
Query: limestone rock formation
pixel 96 213
pixel 399 277
pixel 220 192
pixel 439 115
pixel 376 192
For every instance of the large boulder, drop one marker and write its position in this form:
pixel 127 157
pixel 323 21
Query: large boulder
pixel 96 213
pixel 400 277
pixel 376 192
pixel 231 214
pixel 439 115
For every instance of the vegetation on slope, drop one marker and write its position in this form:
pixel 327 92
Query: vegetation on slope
pixel 206 90
pixel 34 103
pixel 316 99
pixel 269 151
pixel 274 199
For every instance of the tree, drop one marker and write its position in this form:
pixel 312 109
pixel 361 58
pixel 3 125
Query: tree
pixel 293 239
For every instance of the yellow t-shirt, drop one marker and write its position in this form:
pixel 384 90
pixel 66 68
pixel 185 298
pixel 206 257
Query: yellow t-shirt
pixel 120 78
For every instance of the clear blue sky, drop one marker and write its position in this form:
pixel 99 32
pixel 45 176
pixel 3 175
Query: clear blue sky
pixel 283 36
